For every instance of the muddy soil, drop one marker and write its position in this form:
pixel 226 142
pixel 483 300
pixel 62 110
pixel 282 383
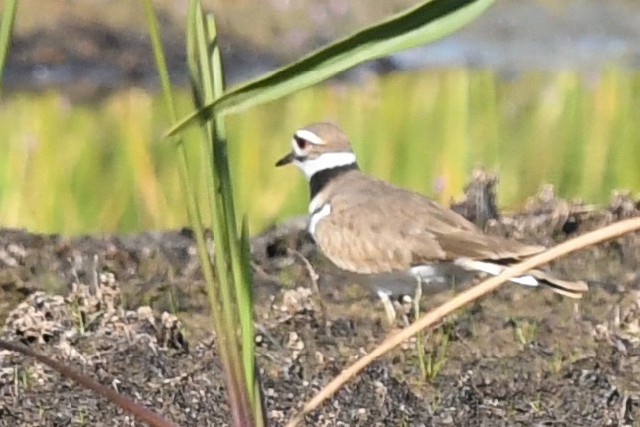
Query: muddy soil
pixel 131 312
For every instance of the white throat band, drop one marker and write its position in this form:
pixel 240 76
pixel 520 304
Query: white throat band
pixel 325 161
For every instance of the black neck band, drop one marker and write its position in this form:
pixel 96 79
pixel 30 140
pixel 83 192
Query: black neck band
pixel 320 179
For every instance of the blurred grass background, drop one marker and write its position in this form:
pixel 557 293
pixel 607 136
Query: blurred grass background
pixel 104 166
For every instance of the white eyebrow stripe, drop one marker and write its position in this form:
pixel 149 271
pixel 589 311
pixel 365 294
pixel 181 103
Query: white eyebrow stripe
pixel 309 136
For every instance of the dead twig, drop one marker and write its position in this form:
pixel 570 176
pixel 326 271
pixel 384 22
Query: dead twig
pixel 122 401
pixel 314 280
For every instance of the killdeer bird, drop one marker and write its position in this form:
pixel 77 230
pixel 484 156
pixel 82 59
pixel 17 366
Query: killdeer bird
pixel 369 227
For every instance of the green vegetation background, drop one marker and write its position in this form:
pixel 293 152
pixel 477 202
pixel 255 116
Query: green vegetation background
pixel 104 166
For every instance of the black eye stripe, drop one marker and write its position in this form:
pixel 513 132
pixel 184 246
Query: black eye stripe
pixel 301 142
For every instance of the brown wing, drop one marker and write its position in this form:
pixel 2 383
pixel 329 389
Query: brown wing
pixel 376 227
pixel 369 245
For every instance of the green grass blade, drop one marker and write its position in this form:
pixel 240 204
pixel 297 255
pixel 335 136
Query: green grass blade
pixel 161 62
pixel 418 25
pixel 240 263
pixel 244 295
pixel 213 137
pixel 6 30
pixel 228 257
pixel 192 63
pixel 216 59
pixel 203 92
pixel 220 298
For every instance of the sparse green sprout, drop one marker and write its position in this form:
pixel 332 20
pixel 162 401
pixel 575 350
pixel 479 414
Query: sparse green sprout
pixel 524 331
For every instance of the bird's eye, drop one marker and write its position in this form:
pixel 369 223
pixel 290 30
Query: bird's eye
pixel 301 142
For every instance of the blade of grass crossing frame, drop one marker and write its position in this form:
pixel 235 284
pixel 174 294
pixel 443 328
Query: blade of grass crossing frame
pixel 206 76
pixel 245 309
pixel 216 60
pixel 229 252
pixel 239 263
pixel 204 69
pixel 192 64
pixel 6 30
pixel 239 393
pixel 202 91
pixel 415 26
pixel 235 389
pixel 161 62
pixel 192 204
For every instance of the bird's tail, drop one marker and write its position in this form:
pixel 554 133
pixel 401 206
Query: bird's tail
pixel 571 289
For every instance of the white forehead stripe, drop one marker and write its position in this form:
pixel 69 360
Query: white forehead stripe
pixel 325 161
pixel 310 136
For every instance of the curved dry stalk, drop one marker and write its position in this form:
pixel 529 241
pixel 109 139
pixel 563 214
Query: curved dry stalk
pixel 489 285
pixel 134 408
pixel 313 276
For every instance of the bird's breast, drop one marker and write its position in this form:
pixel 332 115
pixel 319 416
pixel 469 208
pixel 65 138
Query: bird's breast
pixel 317 215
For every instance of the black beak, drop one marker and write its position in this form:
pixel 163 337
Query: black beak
pixel 286 159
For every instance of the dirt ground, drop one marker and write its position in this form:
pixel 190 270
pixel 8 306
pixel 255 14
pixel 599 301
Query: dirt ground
pixel 131 312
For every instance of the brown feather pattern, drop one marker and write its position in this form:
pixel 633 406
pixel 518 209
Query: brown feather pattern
pixel 375 227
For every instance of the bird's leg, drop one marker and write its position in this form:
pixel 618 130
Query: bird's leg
pixel 417 298
pixel 389 310
pixel 406 305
